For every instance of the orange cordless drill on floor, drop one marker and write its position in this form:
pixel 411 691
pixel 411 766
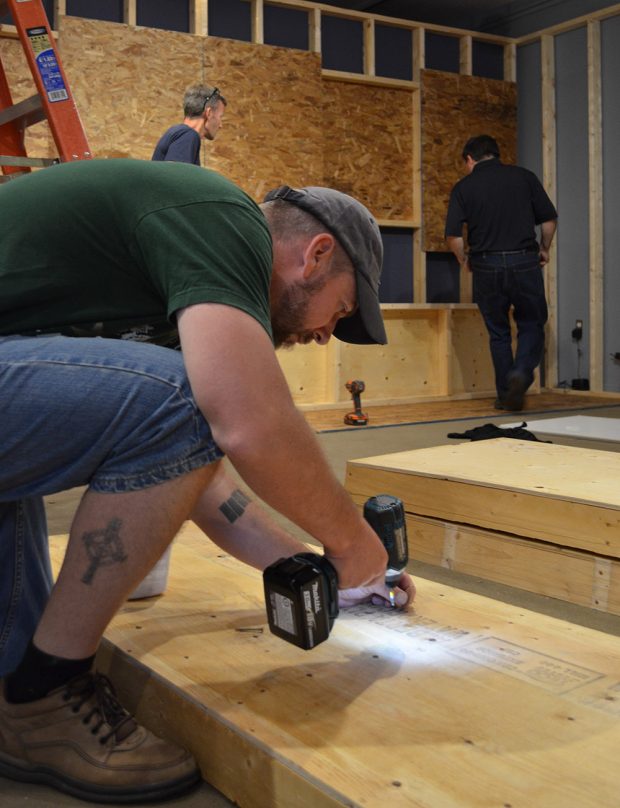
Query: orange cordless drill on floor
pixel 356 418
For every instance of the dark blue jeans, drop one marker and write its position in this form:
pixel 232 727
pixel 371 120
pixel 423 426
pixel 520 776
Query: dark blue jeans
pixel 502 280
pixel 112 414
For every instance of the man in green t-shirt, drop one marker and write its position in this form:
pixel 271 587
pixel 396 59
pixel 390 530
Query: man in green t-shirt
pixel 145 255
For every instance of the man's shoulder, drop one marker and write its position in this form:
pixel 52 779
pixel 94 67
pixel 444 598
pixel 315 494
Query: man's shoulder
pixel 517 170
pixel 179 130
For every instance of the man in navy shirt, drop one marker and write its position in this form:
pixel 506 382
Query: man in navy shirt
pixel 203 107
pixel 502 205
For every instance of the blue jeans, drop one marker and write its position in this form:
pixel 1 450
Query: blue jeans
pixel 116 416
pixel 502 280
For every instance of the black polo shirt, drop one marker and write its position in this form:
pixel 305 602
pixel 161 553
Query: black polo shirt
pixel 501 205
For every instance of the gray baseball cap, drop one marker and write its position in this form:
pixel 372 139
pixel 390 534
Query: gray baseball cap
pixel 358 233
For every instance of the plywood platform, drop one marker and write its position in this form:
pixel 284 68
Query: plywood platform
pixel 545 518
pixel 464 703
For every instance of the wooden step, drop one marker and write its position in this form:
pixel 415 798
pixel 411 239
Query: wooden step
pixel 465 702
pixel 585 579
pixel 562 494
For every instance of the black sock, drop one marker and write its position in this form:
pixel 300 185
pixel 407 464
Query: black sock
pixel 39 673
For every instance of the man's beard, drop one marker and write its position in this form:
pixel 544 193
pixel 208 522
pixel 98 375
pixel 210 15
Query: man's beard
pixel 289 313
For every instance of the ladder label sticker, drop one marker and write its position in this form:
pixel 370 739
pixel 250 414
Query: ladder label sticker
pixel 47 64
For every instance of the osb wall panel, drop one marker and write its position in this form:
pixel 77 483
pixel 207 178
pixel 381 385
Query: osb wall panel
pixel 455 108
pixel 272 128
pixel 368 145
pixel 39 142
pixel 129 85
pixel 128 82
pixel 283 123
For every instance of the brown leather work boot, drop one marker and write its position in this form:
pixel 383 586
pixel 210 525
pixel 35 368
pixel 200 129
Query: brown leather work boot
pixel 80 740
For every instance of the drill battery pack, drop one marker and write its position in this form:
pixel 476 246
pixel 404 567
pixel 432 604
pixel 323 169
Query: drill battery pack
pixel 301 595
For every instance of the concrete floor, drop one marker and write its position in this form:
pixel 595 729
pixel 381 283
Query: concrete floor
pixel 340 446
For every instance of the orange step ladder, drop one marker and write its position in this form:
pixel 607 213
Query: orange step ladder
pixel 53 100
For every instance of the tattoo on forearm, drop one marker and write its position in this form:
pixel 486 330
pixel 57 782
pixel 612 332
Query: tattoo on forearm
pixel 104 548
pixel 235 505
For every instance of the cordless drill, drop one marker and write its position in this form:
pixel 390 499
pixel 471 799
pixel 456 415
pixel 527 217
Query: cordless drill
pixel 386 516
pixel 356 418
pixel 301 592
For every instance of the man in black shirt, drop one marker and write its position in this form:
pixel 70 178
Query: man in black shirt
pixel 502 205
pixel 203 107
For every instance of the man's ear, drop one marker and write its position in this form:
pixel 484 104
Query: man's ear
pixel 318 253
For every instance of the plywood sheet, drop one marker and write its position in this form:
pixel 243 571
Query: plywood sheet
pixel 535 566
pixel 129 86
pixel 128 82
pixel 454 108
pixel 464 703
pixel 367 137
pixel 273 129
pixel 471 366
pixel 563 494
pixel 411 364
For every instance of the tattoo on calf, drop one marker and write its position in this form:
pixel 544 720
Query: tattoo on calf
pixel 104 548
pixel 235 505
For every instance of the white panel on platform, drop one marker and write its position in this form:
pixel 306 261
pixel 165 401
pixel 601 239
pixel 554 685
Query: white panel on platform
pixel 576 426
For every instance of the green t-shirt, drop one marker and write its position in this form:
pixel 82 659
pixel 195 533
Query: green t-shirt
pixel 116 247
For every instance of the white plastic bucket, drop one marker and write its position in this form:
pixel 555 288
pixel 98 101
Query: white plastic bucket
pixel 156 581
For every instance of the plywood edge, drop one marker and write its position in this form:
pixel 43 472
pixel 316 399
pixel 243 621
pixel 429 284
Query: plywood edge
pixel 571 524
pixel 585 579
pixel 551 471
pixel 243 768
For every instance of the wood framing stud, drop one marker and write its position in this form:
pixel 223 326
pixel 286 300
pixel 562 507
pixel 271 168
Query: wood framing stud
pixel 418 50
pixel 258 23
pixel 510 62
pixel 199 17
pixel 595 175
pixel 550 183
pixel 369 47
pixel 129 12
pixel 60 9
pixel 465 56
pixel 314 30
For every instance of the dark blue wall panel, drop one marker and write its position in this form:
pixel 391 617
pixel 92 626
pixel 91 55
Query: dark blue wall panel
pixel 397 277
pixel 342 44
pixel 287 27
pixel 442 278
pixel 442 52
pixel 231 19
pixel 167 14
pixel 610 70
pixel 109 10
pixel 393 52
pixel 572 202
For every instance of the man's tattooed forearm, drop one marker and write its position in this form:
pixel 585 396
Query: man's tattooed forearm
pixel 235 505
pixel 104 548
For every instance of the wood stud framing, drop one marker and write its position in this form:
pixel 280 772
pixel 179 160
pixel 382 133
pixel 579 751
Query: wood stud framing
pixel 550 183
pixel 199 25
pixel 199 17
pixel 595 175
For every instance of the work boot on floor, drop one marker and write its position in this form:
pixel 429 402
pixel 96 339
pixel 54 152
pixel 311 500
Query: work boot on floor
pixel 80 740
pixel 517 385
